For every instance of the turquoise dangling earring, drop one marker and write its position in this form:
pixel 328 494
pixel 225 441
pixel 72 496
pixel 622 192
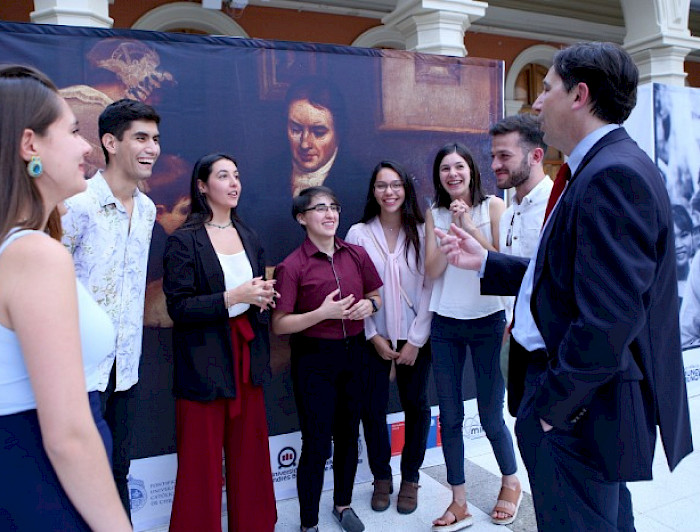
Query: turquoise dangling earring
pixel 34 167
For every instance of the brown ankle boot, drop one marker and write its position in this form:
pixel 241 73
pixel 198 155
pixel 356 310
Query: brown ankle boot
pixel 380 497
pixel 408 497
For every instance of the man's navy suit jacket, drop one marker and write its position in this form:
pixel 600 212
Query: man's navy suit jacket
pixel 605 301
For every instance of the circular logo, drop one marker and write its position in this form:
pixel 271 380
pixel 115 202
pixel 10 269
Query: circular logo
pixel 472 428
pixel 287 457
pixel 137 494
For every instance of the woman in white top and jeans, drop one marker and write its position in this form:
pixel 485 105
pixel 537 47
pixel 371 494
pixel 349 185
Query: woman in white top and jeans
pixel 393 234
pixel 53 459
pixel 463 318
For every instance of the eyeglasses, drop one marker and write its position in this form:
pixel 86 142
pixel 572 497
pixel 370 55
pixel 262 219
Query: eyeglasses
pixel 322 207
pixel 395 186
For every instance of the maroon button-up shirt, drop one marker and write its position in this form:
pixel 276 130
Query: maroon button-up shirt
pixel 308 275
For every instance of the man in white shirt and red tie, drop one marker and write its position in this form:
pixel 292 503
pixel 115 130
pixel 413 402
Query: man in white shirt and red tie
pixel 595 314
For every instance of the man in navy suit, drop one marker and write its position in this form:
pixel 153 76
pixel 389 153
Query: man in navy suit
pixel 596 323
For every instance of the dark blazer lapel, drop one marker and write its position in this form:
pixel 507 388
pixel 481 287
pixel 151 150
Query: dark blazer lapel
pixel 212 271
pixel 251 250
pixel 615 135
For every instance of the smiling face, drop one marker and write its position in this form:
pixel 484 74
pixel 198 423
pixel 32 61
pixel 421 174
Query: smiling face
pixel 223 186
pixel 62 151
pixel 510 161
pixel 136 153
pixel 389 191
pixel 455 176
pixel 320 224
pixel 311 134
pixel 684 243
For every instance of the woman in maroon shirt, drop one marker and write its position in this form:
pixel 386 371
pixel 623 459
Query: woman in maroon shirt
pixel 327 287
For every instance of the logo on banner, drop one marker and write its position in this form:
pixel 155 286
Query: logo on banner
pixel 287 457
pixel 472 428
pixel 137 493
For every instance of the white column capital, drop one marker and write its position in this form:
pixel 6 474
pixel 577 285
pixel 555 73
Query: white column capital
pixel 661 58
pixel 435 26
pixel 658 38
pixel 93 13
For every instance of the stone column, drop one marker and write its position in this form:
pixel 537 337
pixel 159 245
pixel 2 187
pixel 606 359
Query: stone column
pixel 93 13
pixel 435 26
pixel 658 38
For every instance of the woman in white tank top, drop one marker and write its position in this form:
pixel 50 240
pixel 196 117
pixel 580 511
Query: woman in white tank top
pixel 56 475
pixel 464 320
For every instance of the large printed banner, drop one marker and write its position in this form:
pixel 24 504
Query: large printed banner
pixel 666 124
pixel 228 94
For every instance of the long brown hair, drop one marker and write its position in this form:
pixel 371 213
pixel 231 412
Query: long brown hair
pixel 28 100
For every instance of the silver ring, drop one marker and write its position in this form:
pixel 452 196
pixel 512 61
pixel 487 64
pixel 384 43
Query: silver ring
pixel 260 299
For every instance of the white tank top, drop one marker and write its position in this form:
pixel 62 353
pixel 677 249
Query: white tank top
pixel 237 270
pixel 457 292
pixel 96 337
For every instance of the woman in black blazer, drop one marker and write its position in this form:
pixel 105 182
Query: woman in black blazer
pixel 218 300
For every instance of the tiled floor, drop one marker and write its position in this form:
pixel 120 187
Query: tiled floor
pixel 668 503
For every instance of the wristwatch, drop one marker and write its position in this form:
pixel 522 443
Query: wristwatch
pixel 375 308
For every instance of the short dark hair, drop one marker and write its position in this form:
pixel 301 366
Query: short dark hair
pixel 442 198
pixel 320 92
pixel 118 116
pixel 526 125
pixel 681 218
pixel 301 202
pixel 607 70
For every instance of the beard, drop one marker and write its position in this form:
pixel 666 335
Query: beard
pixel 519 176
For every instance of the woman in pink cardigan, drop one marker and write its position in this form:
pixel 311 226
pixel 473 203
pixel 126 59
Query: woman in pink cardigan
pixel 392 232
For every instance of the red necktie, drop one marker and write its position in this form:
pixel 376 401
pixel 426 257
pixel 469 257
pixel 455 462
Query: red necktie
pixel 563 175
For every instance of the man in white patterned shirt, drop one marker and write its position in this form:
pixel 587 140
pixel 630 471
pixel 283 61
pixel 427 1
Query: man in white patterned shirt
pixel 517 154
pixel 108 230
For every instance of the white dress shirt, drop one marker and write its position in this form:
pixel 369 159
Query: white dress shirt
pixel 525 330
pixel 520 227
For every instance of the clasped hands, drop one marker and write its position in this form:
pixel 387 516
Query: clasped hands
pixel 345 308
pixel 258 291
pixel 407 355
pixel 462 215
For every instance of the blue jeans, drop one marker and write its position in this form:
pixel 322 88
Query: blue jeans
pixel 449 339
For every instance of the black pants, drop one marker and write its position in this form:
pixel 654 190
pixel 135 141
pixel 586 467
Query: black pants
pixel 569 490
pixel 119 409
pixel 328 378
pixel 412 382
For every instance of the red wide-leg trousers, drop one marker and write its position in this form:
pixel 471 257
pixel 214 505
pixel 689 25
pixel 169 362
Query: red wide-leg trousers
pixel 239 427
pixel 203 429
